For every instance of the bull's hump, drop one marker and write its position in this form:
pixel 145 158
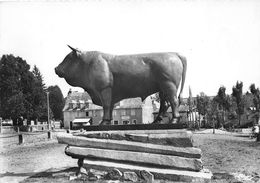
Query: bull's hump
pixel 146 58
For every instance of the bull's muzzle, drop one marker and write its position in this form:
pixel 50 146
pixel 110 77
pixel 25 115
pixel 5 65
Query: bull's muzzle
pixel 59 72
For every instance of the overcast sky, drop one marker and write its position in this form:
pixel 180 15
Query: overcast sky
pixel 221 39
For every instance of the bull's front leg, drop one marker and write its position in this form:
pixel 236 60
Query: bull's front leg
pixel 106 98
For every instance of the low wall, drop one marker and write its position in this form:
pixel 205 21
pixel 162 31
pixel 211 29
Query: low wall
pixel 33 128
pixel 30 128
pixel 8 129
pixel 246 130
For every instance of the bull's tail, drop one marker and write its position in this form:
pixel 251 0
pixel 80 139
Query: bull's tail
pixel 184 63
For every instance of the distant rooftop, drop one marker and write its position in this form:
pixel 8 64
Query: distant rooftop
pixel 77 96
pixel 130 103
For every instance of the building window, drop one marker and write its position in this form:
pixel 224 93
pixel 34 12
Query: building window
pixel 134 121
pixel 87 113
pixel 123 112
pixel 115 122
pixel 126 122
pixel 133 112
pixel 114 112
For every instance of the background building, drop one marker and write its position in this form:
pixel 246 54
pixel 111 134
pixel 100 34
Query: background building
pixel 79 106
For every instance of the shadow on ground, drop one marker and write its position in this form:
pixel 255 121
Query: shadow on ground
pixel 12 174
pixel 52 175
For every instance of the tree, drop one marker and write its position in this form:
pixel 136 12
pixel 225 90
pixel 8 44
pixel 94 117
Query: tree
pixel 39 100
pixel 256 100
pixel 8 83
pixel 222 101
pixel 15 87
pixel 212 113
pixel 203 102
pixel 21 91
pixel 57 101
pixel 15 106
pixel 237 93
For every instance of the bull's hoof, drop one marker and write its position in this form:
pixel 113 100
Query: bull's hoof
pixel 174 121
pixel 156 121
pixel 105 122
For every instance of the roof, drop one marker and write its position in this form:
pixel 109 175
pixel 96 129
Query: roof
pixel 80 101
pixel 94 107
pixel 123 104
pixel 130 103
pixel 77 96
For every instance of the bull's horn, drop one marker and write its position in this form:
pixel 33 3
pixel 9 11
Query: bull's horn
pixel 73 49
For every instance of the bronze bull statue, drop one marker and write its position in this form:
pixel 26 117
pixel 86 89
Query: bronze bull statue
pixel 110 78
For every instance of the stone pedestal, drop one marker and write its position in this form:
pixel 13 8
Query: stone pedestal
pixel 167 154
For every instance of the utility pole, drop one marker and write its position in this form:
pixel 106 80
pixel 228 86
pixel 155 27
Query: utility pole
pixel 48 110
pixel 214 124
pixel 0 125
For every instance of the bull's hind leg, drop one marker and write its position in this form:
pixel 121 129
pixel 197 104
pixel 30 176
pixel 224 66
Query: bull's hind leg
pixel 106 98
pixel 163 108
pixel 170 91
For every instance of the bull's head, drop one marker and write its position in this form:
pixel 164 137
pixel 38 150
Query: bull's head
pixel 70 67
